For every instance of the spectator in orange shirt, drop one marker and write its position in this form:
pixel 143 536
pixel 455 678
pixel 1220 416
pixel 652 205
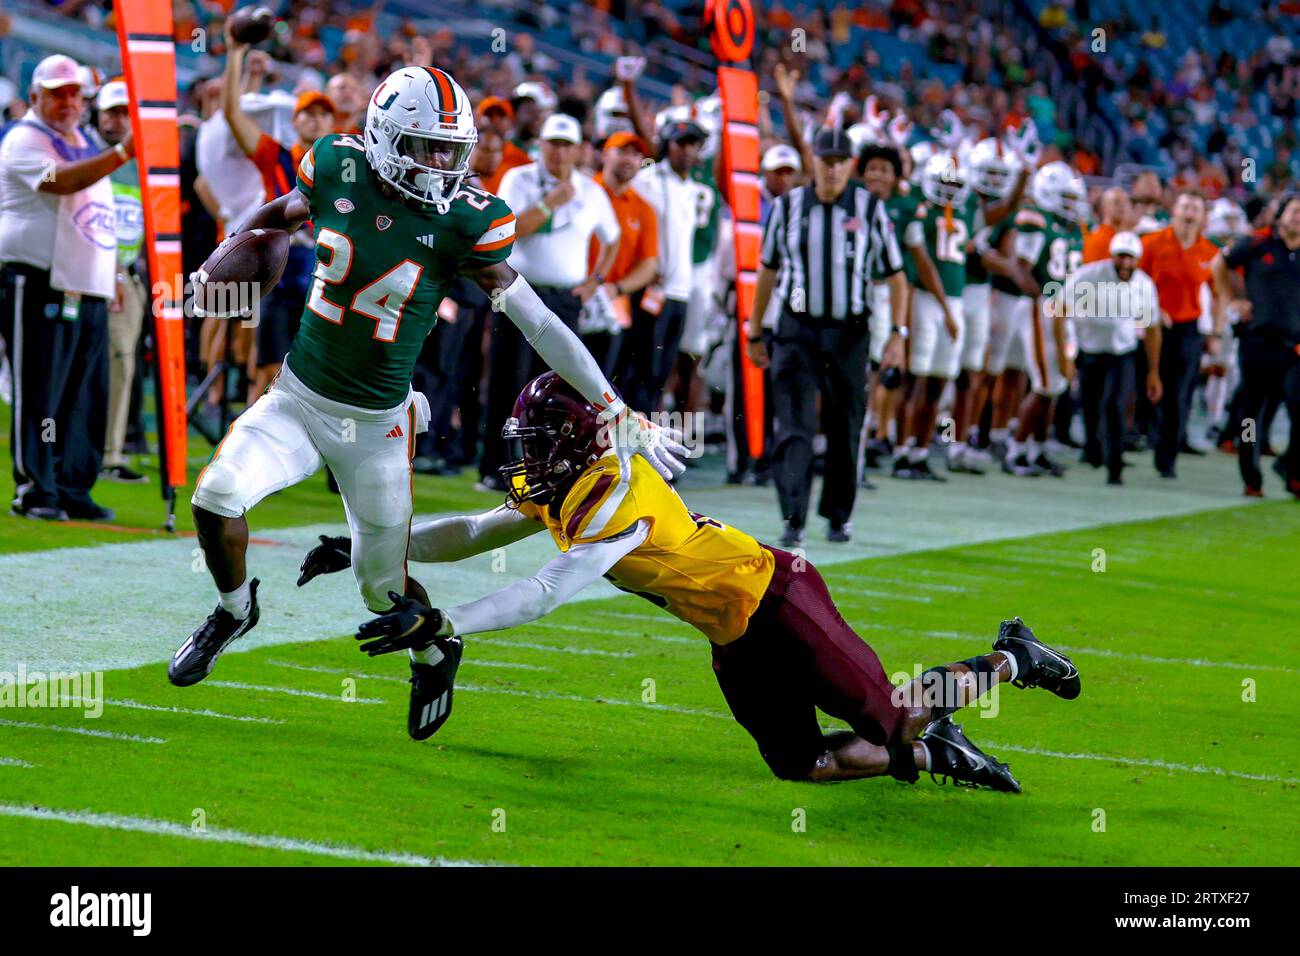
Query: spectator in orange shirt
pixel 1116 210
pixel 277 318
pixel 636 262
pixel 496 117
pixel 1177 258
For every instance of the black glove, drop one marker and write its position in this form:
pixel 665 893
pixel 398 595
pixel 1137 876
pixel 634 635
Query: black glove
pixel 409 625
pixel 332 554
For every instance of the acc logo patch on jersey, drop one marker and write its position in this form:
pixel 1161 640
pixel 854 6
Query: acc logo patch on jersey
pixel 382 222
pixel 344 205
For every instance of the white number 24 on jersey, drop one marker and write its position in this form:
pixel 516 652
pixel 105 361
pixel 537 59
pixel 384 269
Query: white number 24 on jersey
pixel 382 300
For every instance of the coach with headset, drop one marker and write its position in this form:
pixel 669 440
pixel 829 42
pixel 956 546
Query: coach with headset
pixel 821 246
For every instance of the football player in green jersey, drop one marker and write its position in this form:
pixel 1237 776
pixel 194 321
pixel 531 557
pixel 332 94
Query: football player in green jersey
pixel 936 238
pixel 1049 243
pixel 395 226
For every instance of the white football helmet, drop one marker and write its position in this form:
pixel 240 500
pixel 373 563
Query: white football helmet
pixel 708 113
pixel 417 112
pixel 1057 189
pixel 992 168
pixel 1226 220
pixel 610 114
pixel 921 154
pixel 944 181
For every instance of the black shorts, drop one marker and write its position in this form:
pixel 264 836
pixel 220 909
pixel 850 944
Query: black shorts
pixel 796 656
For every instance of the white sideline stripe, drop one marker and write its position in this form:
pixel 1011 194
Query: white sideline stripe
pixel 318 669
pixel 900 582
pixel 292 691
pixel 14 762
pixel 113 821
pixel 338 670
pixel 188 712
pixel 1101 652
pixel 1147 762
pixel 105 734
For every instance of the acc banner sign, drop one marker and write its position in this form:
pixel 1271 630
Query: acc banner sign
pixel 731 27
pixel 145 34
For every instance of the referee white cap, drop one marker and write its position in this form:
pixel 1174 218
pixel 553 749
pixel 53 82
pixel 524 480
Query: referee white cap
pixel 55 71
pixel 1126 244
pixel 782 156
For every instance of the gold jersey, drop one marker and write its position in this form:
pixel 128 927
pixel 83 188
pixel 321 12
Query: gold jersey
pixel 698 569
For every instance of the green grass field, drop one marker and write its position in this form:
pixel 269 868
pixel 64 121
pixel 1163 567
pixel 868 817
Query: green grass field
pixel 1181 749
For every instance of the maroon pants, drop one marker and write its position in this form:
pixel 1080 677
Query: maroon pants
pixel 797 655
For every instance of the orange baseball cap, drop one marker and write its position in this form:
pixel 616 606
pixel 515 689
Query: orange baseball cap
pixel 623 137
pixel 496 103
pixel 310 98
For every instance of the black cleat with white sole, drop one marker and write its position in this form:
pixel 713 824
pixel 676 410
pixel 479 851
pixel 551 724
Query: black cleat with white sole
pixel 195 659
pixel 432 686
pixel 1037 664
pixel 953 757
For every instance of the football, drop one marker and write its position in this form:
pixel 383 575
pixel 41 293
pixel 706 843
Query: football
pixel 251 24
pixel 247 265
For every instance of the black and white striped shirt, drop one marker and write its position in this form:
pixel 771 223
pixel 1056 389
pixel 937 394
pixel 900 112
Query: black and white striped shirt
pixel 825 254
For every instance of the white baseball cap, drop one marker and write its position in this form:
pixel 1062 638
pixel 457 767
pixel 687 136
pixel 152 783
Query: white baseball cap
pixel 562 126
pixel 540 93
pixel 1126 244
pixel 782 156
pixel 111 94
pixel 55 71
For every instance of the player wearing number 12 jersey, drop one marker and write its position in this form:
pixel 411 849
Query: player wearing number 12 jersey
pixel 781 650
pixel 395 225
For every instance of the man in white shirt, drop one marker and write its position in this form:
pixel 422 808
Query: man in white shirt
pixel 58 270
pixel 557 211
pixel 1110 301
pixel 659 314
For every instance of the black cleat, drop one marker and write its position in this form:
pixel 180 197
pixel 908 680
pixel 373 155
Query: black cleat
pixel 1048 467
pixel 431 689
pixel 1021 466
pixel 921 472
pixel 792 535
pixel 195 659
pixel 1039 665
pixel 953 757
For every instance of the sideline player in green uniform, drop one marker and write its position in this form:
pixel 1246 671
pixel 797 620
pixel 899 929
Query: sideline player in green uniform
pixel 395 225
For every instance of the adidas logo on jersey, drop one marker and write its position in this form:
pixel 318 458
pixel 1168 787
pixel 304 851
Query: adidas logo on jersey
pixel 395 433
pixel 426 240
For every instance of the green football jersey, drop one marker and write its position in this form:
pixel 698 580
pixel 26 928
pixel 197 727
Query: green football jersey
pixel 1053 246
pixel 944 237
pixel 707 201
pixel 382 269
pixel 901 208
pixel 981 236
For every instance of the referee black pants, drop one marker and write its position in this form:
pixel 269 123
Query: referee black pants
pixel 1268 375
pixel 649 353
pixel 1105 386
pixel 808 360
pixel 60 371
pixel 1180 363
pixel 511 365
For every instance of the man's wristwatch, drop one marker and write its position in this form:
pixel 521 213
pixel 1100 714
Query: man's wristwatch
pixel 900 331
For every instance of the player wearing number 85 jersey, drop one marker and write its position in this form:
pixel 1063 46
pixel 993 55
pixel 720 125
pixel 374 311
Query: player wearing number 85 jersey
pixel 395 225
pixel 781 650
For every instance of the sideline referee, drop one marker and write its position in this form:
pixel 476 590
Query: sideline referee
pixel 821 246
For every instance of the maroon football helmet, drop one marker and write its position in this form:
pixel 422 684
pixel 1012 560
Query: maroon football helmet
pixel 553 436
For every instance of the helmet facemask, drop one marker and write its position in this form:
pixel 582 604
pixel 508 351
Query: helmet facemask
pixel 425 168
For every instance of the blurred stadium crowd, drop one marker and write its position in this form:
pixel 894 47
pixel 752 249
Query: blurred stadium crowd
pixel 1142 100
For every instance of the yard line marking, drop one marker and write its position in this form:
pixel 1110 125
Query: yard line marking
pixel 594 651
pixel 607 632
pixel 105 734
pixel 186 711
pixel 292 691
pixel 550 695
pixel 637 616
pixel 316 669
pixel 889 595
pixel 1102 652
pixel 901 582
pixel 14 762
pixel 113 821
pixel 1147 762
pixel 336 670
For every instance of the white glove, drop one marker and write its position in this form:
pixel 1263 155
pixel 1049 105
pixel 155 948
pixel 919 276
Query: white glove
pixel 1024 144
pixel 835 112
pixel 631 433
pixel 628 69
pixel 949 132
pixel 900 129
